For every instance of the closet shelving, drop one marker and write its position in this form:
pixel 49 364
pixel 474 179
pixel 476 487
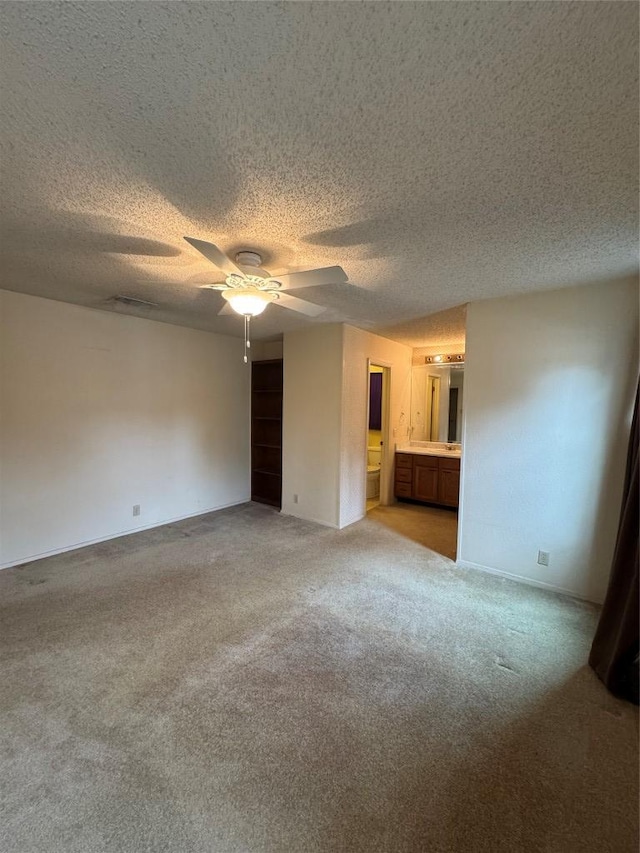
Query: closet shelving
pixel 266 432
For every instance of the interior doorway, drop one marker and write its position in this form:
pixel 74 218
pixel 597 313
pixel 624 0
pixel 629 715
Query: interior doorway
pixel 377 435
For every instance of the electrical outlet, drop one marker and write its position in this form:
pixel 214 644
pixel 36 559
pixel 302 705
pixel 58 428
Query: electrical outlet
pixel 543 558
pixel 295 499
pixel 136 509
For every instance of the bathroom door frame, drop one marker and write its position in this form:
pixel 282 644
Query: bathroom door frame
pixel 385 456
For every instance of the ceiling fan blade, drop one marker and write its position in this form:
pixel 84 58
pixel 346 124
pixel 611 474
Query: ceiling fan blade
pixel 227 309
pixel 215 255
pixel 299 305
pixel 312 278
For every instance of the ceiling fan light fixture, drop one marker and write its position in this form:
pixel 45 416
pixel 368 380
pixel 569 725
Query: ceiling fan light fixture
pixel 248 301
pixel 249 289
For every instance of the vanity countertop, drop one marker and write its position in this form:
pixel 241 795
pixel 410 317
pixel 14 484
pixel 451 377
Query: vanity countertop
pixel 431 451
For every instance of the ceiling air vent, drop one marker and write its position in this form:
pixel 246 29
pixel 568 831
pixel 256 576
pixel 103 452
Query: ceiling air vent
pixel 131 302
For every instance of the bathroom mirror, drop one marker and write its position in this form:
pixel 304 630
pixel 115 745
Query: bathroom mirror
pixel 436 402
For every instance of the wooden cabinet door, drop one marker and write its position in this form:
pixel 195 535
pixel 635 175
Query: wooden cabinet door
pixel 425 484
pixel 449 481
pixel 448 487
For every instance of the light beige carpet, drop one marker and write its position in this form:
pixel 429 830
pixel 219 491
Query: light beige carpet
pixel 249 682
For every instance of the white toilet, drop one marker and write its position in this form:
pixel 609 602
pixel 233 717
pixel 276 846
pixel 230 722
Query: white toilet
pixel 374 455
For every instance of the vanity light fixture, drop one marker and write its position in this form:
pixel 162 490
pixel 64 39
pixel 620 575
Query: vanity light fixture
pixel 456 358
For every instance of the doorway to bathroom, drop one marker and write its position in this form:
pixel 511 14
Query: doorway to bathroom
pixel 377 428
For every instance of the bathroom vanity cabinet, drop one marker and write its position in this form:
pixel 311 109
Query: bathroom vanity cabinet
pixel 430 479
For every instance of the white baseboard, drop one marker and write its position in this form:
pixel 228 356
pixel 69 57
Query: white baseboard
pixel 350 522
pixel 128 532
pixel 313 520
pixel 465 564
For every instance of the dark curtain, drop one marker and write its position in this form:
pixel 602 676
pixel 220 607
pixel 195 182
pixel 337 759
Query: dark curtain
pixel 375 401
pixel 614 654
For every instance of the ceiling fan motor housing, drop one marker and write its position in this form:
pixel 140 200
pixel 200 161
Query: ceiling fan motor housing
pixel 248 259
pixel 249 263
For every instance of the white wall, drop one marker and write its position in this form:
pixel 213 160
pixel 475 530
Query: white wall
pixel 311 423
pixel 358 347
pixel 325 429
pixel 549 382
pixel 418 411
pixel 101 411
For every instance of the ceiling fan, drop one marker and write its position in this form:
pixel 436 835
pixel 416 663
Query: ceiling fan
pixel 248 288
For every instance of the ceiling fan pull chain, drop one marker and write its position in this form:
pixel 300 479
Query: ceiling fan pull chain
pixel 245 339
pixel 247 336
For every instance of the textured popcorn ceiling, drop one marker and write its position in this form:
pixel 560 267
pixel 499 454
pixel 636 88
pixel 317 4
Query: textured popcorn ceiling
pixel 441 332
pixel 439 152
